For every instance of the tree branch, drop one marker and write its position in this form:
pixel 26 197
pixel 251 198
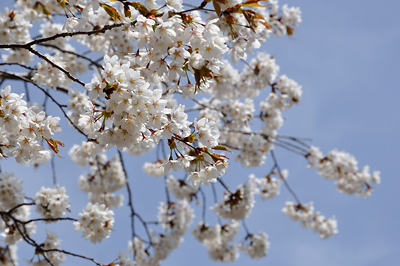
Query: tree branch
pixel 55 65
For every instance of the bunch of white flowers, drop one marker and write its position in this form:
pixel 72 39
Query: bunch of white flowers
pixel 265 68
pixel 95 222
pixel 11 193
pixel 101 183
pixel 180 188
pixel 258 246
pixel 14 28
pixel 163 245
pixel 13 227
pixel 343 169
pixel 22 128
pixel 291 15
pixel 86 153
pixel 207 133
pixel 152 52
pixel 239 114
pixel 207 174
pixel 236 205
pixel 253 150
pixel 310 219
pixel 125 260
pixel 54 257
pixel 51 203
pixel 175 216
pixel 155 169
pixel 269 186
pixel 52 77
pixel 216 239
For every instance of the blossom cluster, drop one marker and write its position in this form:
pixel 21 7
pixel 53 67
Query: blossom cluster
pixel 10 191
pixel 12 201
pixel 9 255
pixel 51 77
pixel 268 187
pixel 105 178
pixel 95 222
pixel 155 169
pixel 14 28
pixel 125 260
pixel 258 246
pixel 22 128
pixel 86 153
pixel 153 54
pixel 304 213
pixel 343 169
pixel 217 240
pixel 54 257
pixel 234 118
pixel 236 205
pixel 51 203
pixel 175 217
pixel 180 188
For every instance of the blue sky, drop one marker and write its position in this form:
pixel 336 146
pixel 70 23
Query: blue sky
pixel 345 55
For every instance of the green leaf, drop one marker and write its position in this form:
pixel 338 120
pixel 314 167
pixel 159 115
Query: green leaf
pixel 221 148
pixel 111 11
pixel 253 3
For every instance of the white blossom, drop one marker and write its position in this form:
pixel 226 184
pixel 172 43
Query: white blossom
pixel 51 203
pixel 95 222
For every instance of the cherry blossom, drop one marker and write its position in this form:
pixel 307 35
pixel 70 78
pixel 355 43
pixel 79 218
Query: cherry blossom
pixel 188 87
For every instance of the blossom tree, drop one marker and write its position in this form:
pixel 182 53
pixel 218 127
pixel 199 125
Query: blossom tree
pixel 181 81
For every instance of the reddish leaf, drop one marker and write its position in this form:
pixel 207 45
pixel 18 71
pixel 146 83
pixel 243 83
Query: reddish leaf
pixel 111 11
pixel 217 8
pixel 53 144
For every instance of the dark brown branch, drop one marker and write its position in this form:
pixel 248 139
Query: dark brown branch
pixel 283 179
pixel 216 201
pixel 50 220
pixel 20 205
pixel 14 76
pixel 17 64
pixel 33 51
pixel 33 243
pixel 63 35
pixel 130 203
pixel 245 227
pixel 298 149
pixel 203 214
pixel 223 184
pixel 73 53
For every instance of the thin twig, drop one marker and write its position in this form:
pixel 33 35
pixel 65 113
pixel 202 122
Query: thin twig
pixel 49 220
pixel 63 35
pixel 33 51
pixel 74 53
pixel 223 184
pixel 215 200
pixel 28 98
pixel 18 64
pixel 283 179
pixel 245 227
pixel 204 205
pixel 130 203
pixel 53 169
